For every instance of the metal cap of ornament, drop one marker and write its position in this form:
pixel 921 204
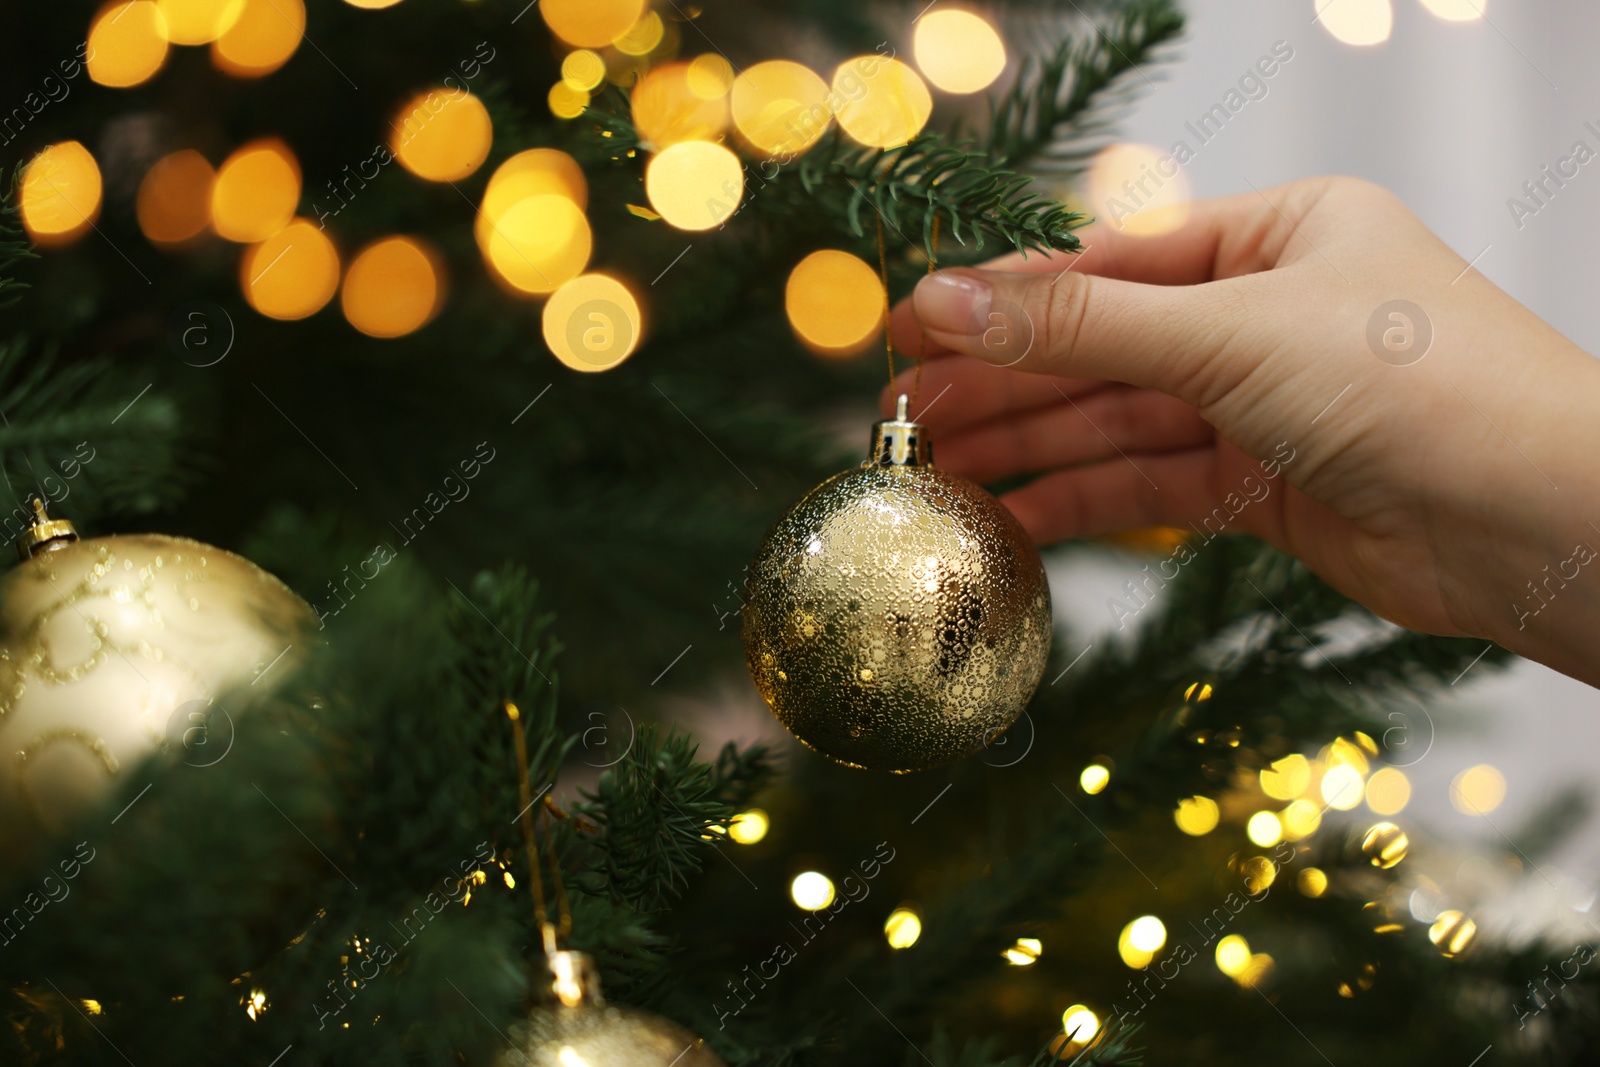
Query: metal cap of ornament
pixel 44 534
pixel 899 442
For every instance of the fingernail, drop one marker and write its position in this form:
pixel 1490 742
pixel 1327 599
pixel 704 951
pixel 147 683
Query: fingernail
pixel 953 302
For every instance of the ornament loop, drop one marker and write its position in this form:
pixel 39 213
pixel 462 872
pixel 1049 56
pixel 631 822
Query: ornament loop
pixel 44 534
pixel 900 442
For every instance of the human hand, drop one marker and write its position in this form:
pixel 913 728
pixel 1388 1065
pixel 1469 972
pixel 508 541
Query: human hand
pixel 1145 382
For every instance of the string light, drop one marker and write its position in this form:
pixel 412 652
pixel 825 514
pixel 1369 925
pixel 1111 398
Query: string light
pixel 393 287
pixel 591 23
pixel 592 324
pixel 583 69
pixel 60 197
pixel 1080 1024
pixel 1264 829
pixel 372 5
pixel 256 1005
pixel 643 37
pixel 811 890
pixel 958 51
pixel 1357 22
pixel 540 243
pixel 711 76
pixel 1094 778
pixel 256 191
pixel 1452 932
pixel 1313 882
pixel 780 108
pixel 883 102
pixel 902 928
pixel 835 302
pixel 695 185
pixel 566 100
pixel 1287 778
pixel 749 827
pixel 1388 791
pixel 291 274
pixel 199 21
pixel 174 201
pixel 442 135
pixel 1300 820
pixel 1233 955
pixel 1131 951
pixel 127 44
pixel 1197 816
pixel 1259 874
pixel 1342 787
pixel 667 111
pixel 1385 845
pixel 266 34
pixel 534 172
pixel 1025 953
pixel 1478 790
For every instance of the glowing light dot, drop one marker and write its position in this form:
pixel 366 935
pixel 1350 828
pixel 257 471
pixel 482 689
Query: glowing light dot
pixel 442 135
pixel 1264 829
pixel 902 928
pixel 1388 792
pixel 291 274
pixel 1342 787
pixel 262 40
pixel 174 202
pixel 667 111
pixel 1259 873
pixel 1457 10
pixel 1233 955
pixel 1094 778
pixel 592 324
pixel 540 243
pixel 643 37
pixel 1198 691
pixel 372 5
pixel 92 1006
pixel 749 827
pixel 1313 882
pixel 256 1005
pixel 711 76
pixel 60 193
pixel 1357 22
pixel 835 302
pixel 1025 953
pixel 1286 778
pixel 1080 1024
pixel 567 101
pixel 199 21
pixel 695 185
pixel 583 69
pixel 1138 190
pixel 883 104
pixel 1348 753
pixel 1452 932
pixel 256 191
pixel 1147 933
pixel 780 108
pixel 591 23
pixel 127 44
pixel 1300 819
pixel 1197 816
pixel 1478 790
pixel 393 287
pixel 811 890
pixel 958 51
pixel 1131 953
pixel 1385 845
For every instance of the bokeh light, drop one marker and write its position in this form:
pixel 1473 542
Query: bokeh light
pixel 60 196
pixel 566 100
pixel 1348 753
pixel 583 69
pixel 372 5
pixel 592 323
pixel 667 111
pixel 199 21
pixel 1287 778
pixel 1478 790
pixel 1233 955
pixel 1196 816
pixel 394 286
pixel 442 135
pixel 642 37
pixel 958 51
pixel 1147 934
pixel 711 76
pixel 1452 932
pixel 1264 829
pixel 1300 819
pixel 811 890
pixel 591 23
pixel 1457 10
pixel 1132 954
pixel 291 274
pixel 256 191
pixel 780 108
pixel 1259 873
pixel 262 40
pixel 534 172
pixel 1025 953
pixel 1357 22
pixel 1138 190
pixel 902 928
pixel 882 102
pixel 1342 787
pixel 1313 882
pixel 1385 845
pixel 174 202
pixel 540 243
pixel 749 827
pixel 127 43
pixel 835 302
pixel 1094 778
pixel 1080 1024
pixel 695 185
pixel 1388 791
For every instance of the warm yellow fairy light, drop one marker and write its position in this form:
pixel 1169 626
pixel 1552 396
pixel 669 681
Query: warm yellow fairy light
pixel 695 185
pixel 1256 971
pixel 539 243
pixel 372 5
pixel 1388 791
pixel 1457 10
pixel 1264 829
pixel 291 274
pixel 1259 873
pixel 442 135
pixel 392 288
pixel 262 40
pixel 958 51
pixel 1385 844
pixel 781 108
pixel 1478 790
pixel 1025 953
pixel 711 76
pixel 592 323
pixel 256 191
pixel 1197 816
pixel 1079 1024
pixel 1357 22
pixel 583 69
pixel 1138 190
pixel 1300 819
pixel 174 202
pixel 199 21
pixel 92 1006
pixel 749 827
pixel 1452 932
pixel 1198 691
pixel 534 172
pixel 1233 955
pixel 882 102
pixel 127 43
pixel 567 101
pixel 811 890
pixel 642 37
pixel 1094 778
pixel 1313 882
pixel 1130 953
pixel 1342 787
pixel 1345 752
pixel 256 1005
pixel 1287 778
pixel 1147 933
pixel 902 928
pixel 60 196
pixel 835 302
pixel 591 23
pixel 666 110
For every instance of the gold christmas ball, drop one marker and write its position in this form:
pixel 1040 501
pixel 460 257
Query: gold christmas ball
pixel 603 1036
pixel 110 647
pixel 899 616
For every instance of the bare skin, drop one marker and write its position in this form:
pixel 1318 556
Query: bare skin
pixel 1160 371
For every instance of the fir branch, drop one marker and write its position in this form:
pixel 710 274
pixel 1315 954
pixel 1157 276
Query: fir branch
pixel 14 244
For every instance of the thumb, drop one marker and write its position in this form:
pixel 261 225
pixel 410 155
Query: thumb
pixel 1170 338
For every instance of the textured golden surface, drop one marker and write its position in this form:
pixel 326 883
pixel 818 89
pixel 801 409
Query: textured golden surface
pixel 899 618
pixel 603 1037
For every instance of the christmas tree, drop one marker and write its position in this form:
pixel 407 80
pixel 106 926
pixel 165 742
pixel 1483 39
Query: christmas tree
pixel 501 332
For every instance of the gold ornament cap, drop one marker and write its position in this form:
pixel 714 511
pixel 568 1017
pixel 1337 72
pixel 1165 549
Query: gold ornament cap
pixel 899 442
pixel 44 534
pixel 574 979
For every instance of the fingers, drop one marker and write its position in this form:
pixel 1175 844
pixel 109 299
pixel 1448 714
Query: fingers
pixel 1120 494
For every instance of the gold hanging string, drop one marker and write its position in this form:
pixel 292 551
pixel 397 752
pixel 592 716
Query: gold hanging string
pixel 883 275
pixel 541 914
pixel 922 338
